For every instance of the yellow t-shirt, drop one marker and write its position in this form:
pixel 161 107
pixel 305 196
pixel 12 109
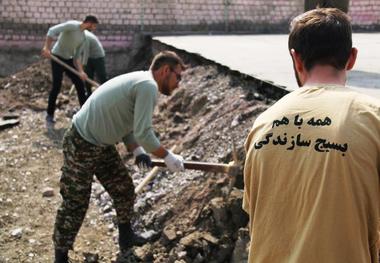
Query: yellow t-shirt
pixel 312 178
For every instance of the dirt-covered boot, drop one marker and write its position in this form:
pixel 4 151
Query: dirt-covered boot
pixel 128 239
pixel 61 256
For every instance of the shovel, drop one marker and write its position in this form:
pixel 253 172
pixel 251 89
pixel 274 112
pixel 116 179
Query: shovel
pixel 73 70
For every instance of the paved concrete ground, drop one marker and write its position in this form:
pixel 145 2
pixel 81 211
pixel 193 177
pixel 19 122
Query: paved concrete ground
pixel 266 57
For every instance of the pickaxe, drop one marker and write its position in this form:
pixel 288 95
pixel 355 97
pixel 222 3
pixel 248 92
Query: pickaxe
pixel 232 168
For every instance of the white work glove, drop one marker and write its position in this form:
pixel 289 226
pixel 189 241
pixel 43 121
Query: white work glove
pixel 138 150
pixel 142 160
pixel 174 162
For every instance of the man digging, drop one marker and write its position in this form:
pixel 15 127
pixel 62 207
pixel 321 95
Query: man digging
pixel 119 110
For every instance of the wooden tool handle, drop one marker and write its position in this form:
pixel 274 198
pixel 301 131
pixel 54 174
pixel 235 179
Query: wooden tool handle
pixel 203 166
pixel 150 175
pixel 147 179
pixel 92 82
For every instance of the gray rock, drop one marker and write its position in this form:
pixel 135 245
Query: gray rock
pixel 144 253
pixel 240 253
pixel 17 232
pixel 91 258
pixel 219 213
pixel 48 192
pixel 170 233
pixel 150 234
pixel 198 104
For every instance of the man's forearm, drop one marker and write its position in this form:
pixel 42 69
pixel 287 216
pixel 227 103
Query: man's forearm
pixel 48 42
pixel 132 146
pixel 78 65
pixel 161 152
pixel 45 52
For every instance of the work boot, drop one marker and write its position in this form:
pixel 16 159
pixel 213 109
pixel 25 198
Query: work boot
pixel 50 118
pixel 50 122
pixel 128 239
pixel 61 256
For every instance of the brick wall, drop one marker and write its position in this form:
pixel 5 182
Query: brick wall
pixel 26 21
pixel 365 13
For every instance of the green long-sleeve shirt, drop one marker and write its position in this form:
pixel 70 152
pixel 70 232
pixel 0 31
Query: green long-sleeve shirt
pixel 92 48
pixel 70 41
pixel 121 109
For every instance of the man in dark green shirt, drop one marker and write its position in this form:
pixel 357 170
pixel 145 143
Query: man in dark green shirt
pixel 119 110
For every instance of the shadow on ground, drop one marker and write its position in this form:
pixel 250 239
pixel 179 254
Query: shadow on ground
pixel 56 135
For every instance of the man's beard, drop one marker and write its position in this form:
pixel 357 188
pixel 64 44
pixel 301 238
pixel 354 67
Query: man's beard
pixel 165 88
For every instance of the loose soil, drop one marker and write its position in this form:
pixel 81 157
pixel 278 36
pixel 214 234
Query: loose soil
pixel 190 216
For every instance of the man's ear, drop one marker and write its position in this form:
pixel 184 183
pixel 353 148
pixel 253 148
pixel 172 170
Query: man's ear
pixel 352 59
pixel 299 68
pixel 298 64
pixel 162 70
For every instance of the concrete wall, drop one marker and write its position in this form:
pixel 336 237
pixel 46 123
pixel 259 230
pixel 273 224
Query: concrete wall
pixel 24 23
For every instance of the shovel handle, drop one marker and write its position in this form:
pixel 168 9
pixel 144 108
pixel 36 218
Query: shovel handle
pixel 60 62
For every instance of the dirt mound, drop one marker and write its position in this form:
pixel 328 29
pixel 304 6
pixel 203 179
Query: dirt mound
pixel 30 88
pixel 190 216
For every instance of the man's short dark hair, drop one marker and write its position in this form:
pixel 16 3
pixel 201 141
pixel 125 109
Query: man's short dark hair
pixel 322 36
pixel 91 19
pixel 166 58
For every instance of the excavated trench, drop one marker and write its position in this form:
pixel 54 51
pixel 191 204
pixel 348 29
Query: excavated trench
pixel 190 216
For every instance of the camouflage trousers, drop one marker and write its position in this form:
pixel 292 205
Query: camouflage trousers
pixel 83 160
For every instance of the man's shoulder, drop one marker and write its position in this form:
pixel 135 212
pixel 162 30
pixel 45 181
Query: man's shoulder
pixel 74 22
pixel 71 24
pixel 90 35
pixel 137 78
pixel 279 105
pixel 360 101
pixel 144 77
pixel 364 99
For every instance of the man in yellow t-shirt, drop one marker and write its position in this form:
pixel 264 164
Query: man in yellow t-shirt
pixel 312 167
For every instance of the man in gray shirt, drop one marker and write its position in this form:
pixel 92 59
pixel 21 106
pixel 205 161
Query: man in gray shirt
pixel 71 39
pixel 119 110
pixel 93 59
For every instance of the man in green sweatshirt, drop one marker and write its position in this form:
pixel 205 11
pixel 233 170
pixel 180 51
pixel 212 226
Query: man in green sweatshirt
pixel 70 43
pixel 93 59
pixel 119 110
